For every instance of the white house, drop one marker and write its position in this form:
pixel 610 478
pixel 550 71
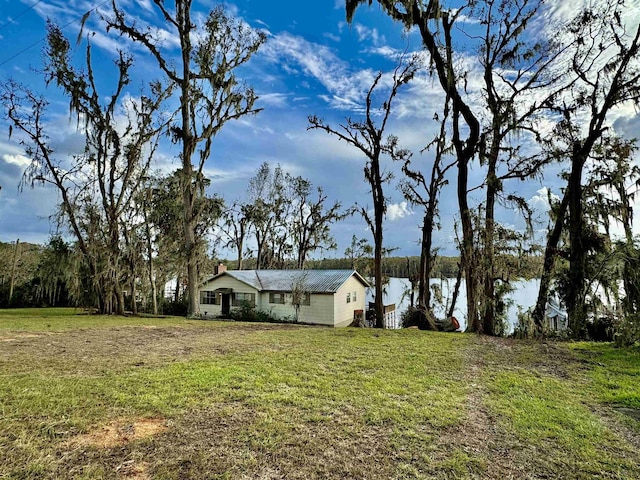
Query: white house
pixel 323 297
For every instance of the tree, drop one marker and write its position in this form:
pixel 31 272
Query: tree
pixel 235 227
pixel 435 26
pixel 98 184
pixel 55 272
pixel 413 189
pixel 311 220
pixel 359 254
pixel 165 214
pixel 209 92
pixel 267 206
pixel 369 139
pixel 603 60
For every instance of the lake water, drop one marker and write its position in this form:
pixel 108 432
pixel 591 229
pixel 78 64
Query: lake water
pixel 523 297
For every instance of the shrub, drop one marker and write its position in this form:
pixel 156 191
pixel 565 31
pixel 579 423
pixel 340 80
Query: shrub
pixel 602 329
pixel 248 313
pixel 628 331
pixel 175 308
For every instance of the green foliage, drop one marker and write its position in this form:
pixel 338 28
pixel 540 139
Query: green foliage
pixel 246 312
pixel 525 327
pixel 627 333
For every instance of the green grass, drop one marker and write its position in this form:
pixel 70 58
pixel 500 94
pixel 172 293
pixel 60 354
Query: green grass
pixel 60 319
pixel 264 401
pixel 615 372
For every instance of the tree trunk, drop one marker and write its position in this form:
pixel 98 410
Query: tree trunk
pixel 456 291
pixel 467 256
pixel 13 270
pixel 379 206
pixel 426 260
pixel 549 261
pixel 575 299
pixel 489 301
pixel 134 303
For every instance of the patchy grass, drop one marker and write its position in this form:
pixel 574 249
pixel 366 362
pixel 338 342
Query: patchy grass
pixel 615 372
pixel 60 319
pixel 109 397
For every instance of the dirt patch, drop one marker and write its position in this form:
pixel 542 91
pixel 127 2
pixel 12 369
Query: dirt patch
pixel 629 412
pixel 120 432
pixel 233 441
pixel 19 336
pixel 84 351
pixel 133 471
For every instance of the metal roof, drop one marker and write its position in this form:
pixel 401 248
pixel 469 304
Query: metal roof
pixel 312 281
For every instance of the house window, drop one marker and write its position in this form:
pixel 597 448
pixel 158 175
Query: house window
pixel 209 298
pixel 349 297
pixel 306 299
pixel 276 297
pixel 244 298
pixel 355 296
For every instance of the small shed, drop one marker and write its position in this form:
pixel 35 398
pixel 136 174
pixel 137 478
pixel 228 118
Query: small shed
pixel 322 297
pixel 555 318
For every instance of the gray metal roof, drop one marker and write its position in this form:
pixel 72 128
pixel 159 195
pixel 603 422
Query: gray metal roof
pixel 312 281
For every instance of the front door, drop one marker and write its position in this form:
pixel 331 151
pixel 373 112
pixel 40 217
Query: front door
pixel 226 303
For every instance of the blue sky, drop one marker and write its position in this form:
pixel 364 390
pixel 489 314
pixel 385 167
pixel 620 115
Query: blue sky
pixel 313 63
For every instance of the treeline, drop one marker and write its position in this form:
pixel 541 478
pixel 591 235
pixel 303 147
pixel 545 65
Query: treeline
pixel 527 267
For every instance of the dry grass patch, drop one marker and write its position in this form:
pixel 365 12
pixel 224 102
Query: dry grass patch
pixel 134 471
pixel 120 432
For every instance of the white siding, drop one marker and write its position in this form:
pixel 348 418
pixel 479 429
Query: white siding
pixel 324 309
pixel 343 311
pixel 225 281
pixel 319 312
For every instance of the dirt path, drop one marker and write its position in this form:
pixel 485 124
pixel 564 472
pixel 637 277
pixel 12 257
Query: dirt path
pixel 479 436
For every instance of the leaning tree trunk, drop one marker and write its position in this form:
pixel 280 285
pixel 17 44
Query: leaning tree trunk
pixel 576 295
pixel 549 260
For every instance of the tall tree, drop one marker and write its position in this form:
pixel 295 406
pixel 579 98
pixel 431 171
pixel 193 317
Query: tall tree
pixel 235 224
pixel 210 95
pixel 267 206
pixel 165 213
pixel 435 26
pixel 312 220
pixel 369 138
pixel 603 60
pixel 97 185
pixel 420 191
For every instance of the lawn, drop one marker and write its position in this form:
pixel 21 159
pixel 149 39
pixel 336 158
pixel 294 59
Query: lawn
pixel 110 397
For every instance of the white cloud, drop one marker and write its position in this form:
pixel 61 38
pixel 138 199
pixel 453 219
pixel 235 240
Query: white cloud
pixel 396 211
pixel 331 36
pixel 19 160
pixel 273 99
pixel 297 55
pixel 540 201
pixel 365 34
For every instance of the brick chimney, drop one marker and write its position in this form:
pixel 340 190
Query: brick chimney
pixel 220 268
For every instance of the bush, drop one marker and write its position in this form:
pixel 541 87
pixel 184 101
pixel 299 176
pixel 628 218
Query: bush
pixel 525 328
pixel 628 331
pixel 602 329
pixel 248 313
pixel 175 309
